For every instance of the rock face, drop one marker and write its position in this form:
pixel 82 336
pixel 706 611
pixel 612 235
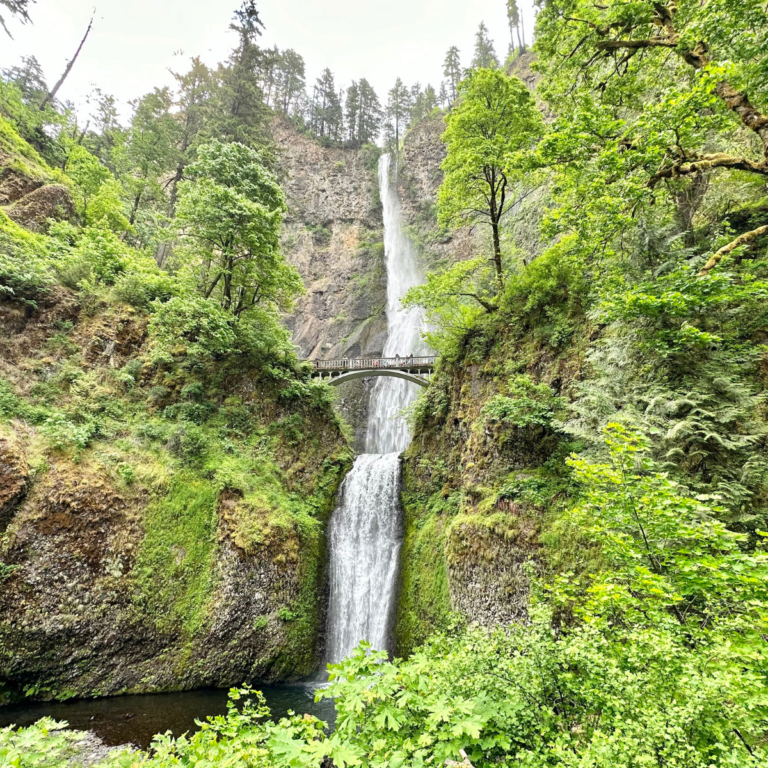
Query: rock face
pixel 110 586
pixel 70 618
pixel 14 476
pixel 419 178
pixel 47 202
pixel 333 236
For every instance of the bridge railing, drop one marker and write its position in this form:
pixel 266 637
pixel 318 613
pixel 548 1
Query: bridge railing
pixel 366 363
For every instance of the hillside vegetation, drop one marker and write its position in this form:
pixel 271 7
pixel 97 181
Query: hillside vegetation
pixel 167 462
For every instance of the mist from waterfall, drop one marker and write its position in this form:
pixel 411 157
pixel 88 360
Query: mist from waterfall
pixel 365 533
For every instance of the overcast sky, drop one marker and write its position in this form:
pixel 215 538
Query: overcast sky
pixel 134 42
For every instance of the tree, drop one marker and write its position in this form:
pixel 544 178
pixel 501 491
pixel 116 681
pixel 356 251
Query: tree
pixel 352 112
pixel 18 8
pixel 193 102
pixel 687 75
pixel 485 54
pixel 152 144
pixel 515 20
pixel 327 118
pixel 29 78
pixel 443 98
pixel 229 216
pixel 370 114
pixel 240 113
pixel 452 71
pixel 399 107
pixel 491 132
pixel 291 81
pixel 424 103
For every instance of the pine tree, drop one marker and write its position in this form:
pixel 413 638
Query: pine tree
pixel 291 82
pixel 241 112
pixel 399 108
pixel 327 118
pixel 515 21
pixel 452 71
pixel 443 97
pixel 485 54
pixel 425 102
pixel 18 8
pixel 352 113
pixel 370 114
pixel 28 78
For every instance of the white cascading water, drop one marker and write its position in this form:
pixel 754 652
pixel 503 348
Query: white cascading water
pixel 366 530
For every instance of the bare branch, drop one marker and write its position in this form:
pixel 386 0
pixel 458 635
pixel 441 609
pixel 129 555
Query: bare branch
pixel 52 95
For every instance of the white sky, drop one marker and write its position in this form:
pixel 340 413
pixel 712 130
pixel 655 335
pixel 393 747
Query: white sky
pixel 133 42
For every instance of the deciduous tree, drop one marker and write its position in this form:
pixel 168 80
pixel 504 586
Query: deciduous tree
pixel 491 133
pixel 229 217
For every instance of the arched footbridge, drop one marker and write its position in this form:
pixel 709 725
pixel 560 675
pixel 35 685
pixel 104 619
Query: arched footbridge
pixel 413 369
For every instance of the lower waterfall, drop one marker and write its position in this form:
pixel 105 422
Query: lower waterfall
pixel 366 528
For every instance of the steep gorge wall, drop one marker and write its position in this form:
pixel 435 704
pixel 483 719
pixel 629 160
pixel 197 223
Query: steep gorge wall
pixel 470 534
pixel 333 236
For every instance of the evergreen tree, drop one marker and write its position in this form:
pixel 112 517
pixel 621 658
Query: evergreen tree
pixel 241 114
pixel 370 114
pixel 452 71
pixel 485 54
pixel 18 8
pixel 425 102
pixel 291 81
pixel 443 97
pixel 29 78
pixel 327 119
pixel 352 113
pixel 399 108
pixel 515 21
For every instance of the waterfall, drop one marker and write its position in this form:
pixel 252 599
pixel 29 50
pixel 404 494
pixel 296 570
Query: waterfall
pixel 366 530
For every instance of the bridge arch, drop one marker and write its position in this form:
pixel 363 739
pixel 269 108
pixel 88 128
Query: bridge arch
pixel 366 373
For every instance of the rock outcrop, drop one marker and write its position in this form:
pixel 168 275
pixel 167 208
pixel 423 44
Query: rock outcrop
pixel 333 236
pixel 33 210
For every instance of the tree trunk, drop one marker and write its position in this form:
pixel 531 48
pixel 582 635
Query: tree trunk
pixel 52 95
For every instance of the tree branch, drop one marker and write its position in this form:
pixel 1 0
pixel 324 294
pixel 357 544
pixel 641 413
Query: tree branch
pixel 744 239
pixel 706 163
pixel 486 305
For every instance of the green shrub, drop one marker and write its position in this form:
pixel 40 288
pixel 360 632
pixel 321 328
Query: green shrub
pixel 192 327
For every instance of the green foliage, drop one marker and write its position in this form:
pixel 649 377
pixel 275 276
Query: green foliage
pixel 489 136
pixel 46 744
pixel 174 570
pixel 191 327
pixel 527 405
pixel 24 272
pixel 229 217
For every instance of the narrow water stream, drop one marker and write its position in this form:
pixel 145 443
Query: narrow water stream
pixel 366 528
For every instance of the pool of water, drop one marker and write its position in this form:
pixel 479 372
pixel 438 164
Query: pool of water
pixel 136 719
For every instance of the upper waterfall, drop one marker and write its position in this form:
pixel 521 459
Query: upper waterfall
pixel 387 431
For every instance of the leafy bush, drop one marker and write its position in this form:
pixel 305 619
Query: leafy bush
pixel 25 274
pixel 193 327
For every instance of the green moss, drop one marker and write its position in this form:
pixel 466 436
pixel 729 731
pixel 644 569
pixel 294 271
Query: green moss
pixel 175 567
pixel 424 605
